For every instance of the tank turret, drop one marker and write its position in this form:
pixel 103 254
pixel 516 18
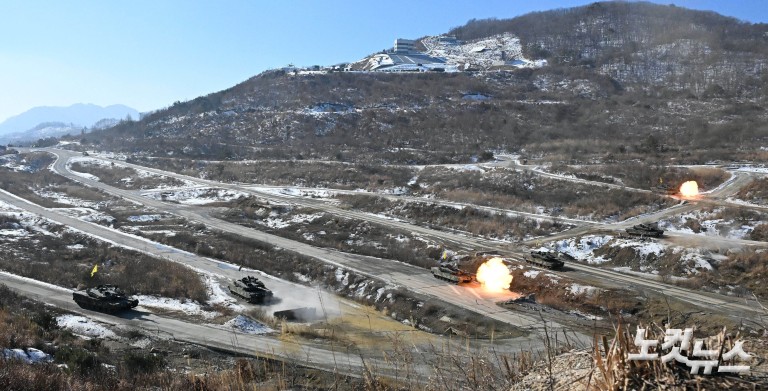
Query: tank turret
pixel 251 289
pixel 545 259
pixel 665 189
pixel 104 298
pixel 450 273
pixel 645 231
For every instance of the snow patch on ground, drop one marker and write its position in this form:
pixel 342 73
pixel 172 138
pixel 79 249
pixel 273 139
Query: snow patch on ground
pixel 87 214
pixel 302 277
pixel 28 356
pixel 401 190
pixel 738 201
pixel 584 249
pixel 276 222
pixel 653 275
pixel 6 207
pixel 13 234
pixel 696 262
pixel 578 289
pixel 760 170
pixel 247 325
pixel 84 327
pixel 186 306
pixel 197 196
pixel 218 296
pixel 86 161
pixel 643 248
pixel 710 226
pixel 295 191
pixel 532 273
pixel 14 163
pixel 65 199
pixel 584 315
pixel 85 175
pixel 467 167
pixel 144 218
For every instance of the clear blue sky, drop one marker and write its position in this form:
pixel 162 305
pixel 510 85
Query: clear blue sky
pixel 149 53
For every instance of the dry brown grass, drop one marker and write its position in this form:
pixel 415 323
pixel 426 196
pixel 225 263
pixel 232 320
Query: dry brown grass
pixel 48 258
pixel 26 184
pixel 290 173
pixel 603 302
pixel 760 233
pixel 116 176
pixel 747 269
pixel 524 191
pixel 340 233
pixel 755 192
pixel 614 371
pixel 467 219
pixel 643 175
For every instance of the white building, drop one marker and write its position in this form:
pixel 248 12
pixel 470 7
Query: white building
pixel 404 45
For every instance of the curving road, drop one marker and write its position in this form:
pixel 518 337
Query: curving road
pixel 217 336
pixel 416 278
pixel 394 273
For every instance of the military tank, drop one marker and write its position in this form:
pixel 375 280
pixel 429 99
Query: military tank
pixel 645 231
pixel 451 274
pixel 665 189
pixel 544 259
pixel 251 289
pixel 104 298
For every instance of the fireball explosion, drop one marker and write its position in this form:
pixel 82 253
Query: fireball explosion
pixel 494 275
pixel 689 189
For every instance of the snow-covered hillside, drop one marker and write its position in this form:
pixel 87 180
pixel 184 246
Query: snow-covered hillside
pixel 502 49
pixel 44 130
pixel 447 54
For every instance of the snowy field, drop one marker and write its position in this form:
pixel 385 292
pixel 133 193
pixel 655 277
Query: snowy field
pixel 28 355
pixel 708 223
pixel 483 53
pixel 247 325
pixel 173 183
pixel 84 327
pixel 15 163
pixel 196 196
pixel 646 253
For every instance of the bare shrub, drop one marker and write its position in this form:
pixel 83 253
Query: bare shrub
pixel 48 258
pixel 125 177
pixel 525 191
pixel 340 233
pixel 469 219
pixel 759 233
pixel 365 175
pixel 755 192
pixel 643 175
pixel 615 371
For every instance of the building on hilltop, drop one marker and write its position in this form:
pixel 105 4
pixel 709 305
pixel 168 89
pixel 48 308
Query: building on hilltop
pixel 405 58
pixel 398 62
pixel 448 39
pixel 404 46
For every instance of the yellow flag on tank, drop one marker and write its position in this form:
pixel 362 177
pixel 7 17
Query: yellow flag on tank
pixel 95 269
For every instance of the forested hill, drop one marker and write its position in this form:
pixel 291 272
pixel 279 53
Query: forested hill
pixel 631 79
pixel 638 42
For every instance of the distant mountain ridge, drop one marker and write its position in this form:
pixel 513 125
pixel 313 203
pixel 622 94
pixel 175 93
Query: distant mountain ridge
pixel 77 115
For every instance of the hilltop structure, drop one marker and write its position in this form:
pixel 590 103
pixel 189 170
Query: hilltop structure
pixel 404 46
pixel 404 58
